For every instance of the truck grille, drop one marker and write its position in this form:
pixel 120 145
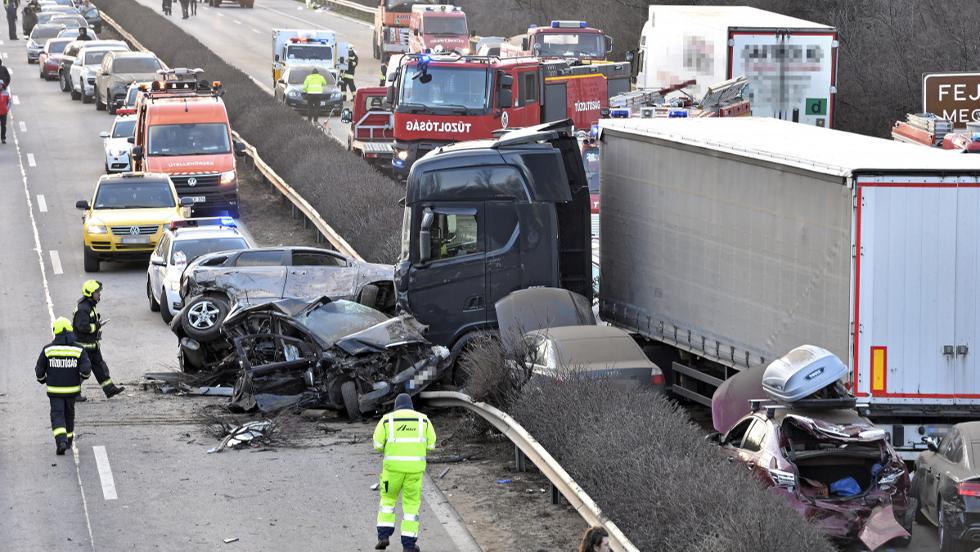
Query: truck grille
pixel 140 230
pixel 182 182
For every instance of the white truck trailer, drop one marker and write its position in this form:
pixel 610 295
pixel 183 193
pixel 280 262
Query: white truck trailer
pixel 725 243
pixel 791 64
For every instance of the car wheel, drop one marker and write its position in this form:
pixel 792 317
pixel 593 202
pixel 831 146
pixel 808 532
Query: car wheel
pixel 349 392
pixel 203 316
pixel 90 261
pixel 946 542
pixel 63 82
pixel 915 503
pixel 75 96
pixel 99 106
pixel 111 107
pixel 154 304
pixel 165 311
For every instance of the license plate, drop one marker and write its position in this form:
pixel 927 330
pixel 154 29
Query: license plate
pixel 197 199
pixel 136 239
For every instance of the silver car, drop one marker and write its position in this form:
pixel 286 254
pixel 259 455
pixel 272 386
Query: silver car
pixel 39 36
pixel 82 72
pixel 289 89
pixel 118 70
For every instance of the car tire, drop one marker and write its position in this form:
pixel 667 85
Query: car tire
pixel 90 261
pixel 946 542
pixel 154 304
pixel 75 96
pixel 164 308
pixel 110 107
pixel 99 106
pixel 202 317
pixel 63 82
pixel 368 296
pixel 353 407
pixel 85 99
pixel 916 501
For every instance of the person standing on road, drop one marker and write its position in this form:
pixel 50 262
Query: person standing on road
pixel 404 437
pixel 29 17
pixel 4 75
pixel 183 9
pixel 193 7
pixel 313 86
pixel 347 74
pixel 4 105
pixel 596 539
pixel 88 330
pixel 11 7
pixel 61 367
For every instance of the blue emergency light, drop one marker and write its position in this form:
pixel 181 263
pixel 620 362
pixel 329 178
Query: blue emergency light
pixel 228 221
pixel 559 24
pixel 532 26
pixel 677 114
pixel 619 113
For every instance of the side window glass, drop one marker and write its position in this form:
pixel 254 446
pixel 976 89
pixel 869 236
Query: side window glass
pixel 753 440
pixel 162 246
pixel 313 258
pixel 529 88
pixel 737 433
pixel 260 258
pixel 454 235
pixel 947 443
pixel 955 453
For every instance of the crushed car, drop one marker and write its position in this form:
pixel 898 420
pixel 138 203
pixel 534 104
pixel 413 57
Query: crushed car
pixel 326 353
pixel 809 444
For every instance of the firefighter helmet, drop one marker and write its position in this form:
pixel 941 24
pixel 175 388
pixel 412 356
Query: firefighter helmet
pixel 60 325
pixel 90 287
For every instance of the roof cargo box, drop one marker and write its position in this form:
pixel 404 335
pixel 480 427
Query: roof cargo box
pixel 801 373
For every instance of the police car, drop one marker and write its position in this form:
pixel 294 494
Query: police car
pixel 182 242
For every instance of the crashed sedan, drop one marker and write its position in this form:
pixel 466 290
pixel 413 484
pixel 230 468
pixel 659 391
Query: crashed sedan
pixel 812 447
pixel 333 354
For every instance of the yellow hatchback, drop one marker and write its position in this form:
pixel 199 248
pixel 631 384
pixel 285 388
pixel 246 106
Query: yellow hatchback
pixel 126 217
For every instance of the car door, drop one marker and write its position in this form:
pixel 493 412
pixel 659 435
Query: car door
pixel 939 466
pixel 160 255
pixel 313 273
pixel 257 274
pixel 731 443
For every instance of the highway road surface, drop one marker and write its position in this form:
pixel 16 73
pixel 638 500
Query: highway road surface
pixel 140 477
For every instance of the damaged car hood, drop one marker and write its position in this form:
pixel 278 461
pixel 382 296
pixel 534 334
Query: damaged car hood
pixel 839 425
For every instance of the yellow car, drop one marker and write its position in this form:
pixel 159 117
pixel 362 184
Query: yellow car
pixel 125 220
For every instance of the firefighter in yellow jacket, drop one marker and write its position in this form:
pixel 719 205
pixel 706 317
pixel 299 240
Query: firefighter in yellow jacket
pixel 404 436
pixel 61 367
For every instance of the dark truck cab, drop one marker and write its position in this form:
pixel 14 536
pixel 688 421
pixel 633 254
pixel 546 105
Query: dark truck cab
pixel 485 218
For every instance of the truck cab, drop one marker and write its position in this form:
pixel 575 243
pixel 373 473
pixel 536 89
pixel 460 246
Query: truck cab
pixel 560 40
pixel 438 28
pixel 303 47
pixel 485 218
pixel 182 130
pixel 391 21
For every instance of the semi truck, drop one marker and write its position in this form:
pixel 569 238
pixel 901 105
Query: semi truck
pixel 391 20
pixel 442 99
pixel 726 243
pixel 562 39
pixel 790 63
pixel 438 28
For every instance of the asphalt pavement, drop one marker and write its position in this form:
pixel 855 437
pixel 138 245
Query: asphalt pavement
pixel 140 477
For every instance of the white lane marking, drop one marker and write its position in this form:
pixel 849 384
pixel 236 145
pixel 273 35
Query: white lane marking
pixel 78 474
pixel 6 55
pixel 262 85
pixel 237 22
pixel 105 473
pixel 22 125
pixel 56 262
pixel 256 31
pixel 30 160
pixel 15 98
pixel 42 205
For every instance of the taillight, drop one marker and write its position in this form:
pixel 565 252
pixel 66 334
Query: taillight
pixel 968 489
pixel 657 378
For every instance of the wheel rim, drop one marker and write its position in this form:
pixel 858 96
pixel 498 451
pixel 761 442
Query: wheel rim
pixel 203 315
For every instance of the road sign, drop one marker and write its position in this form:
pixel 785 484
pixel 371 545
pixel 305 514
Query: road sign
pixel 953 96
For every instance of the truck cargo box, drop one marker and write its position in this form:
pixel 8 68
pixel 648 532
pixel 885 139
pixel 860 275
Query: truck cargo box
pixel 737 240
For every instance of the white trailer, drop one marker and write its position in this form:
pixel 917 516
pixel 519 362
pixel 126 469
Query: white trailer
pixel 791 63
pixel 728 242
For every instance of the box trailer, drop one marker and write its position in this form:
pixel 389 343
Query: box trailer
pixel 728 242
pixel 791 63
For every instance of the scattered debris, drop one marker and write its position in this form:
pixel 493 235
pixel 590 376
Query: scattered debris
pixel 233 539
pixel 444 472
pixel 375 487
pixel 246 435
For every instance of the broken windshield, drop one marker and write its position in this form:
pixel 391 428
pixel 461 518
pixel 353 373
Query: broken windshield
pixel 337 319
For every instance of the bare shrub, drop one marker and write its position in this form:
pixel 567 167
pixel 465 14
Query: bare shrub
pixel 491 376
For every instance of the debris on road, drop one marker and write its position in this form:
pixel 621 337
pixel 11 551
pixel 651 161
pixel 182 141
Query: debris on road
pixel 233 539
pixel 247 435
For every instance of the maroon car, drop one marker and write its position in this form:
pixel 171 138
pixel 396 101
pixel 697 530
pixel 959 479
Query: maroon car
pixel 50 57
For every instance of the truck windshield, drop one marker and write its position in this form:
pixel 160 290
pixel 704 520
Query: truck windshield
pixel 136 65
pixel 192 249
pixel 405 5
pixel 569 45
pixel 124 129
pixel 134 195
pixel 309 51
pixel 440 25
pixel 188 139
pixel 450 87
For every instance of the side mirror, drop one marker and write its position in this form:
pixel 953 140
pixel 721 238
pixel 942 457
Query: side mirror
pixel 346 115
pixel 525 44
pixel 157 261
pixel 390 95
pixel 425 236
pixel 104 134
pixel 131 139
pixel 609 44
pixel 630 56
pixel 137 151
pixel 186 201
pixel 239 149
pixel 82 204
pixel 931 443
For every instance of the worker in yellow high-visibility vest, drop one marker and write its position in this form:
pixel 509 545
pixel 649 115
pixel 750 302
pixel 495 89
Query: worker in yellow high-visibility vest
pixel 404 436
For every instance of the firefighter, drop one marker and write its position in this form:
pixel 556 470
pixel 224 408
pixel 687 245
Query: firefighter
pixel 29 16
pixel 62 366
pixel 88 331
pixel 347 73
pixel 404 437
pixel 313 86
pixel 384 75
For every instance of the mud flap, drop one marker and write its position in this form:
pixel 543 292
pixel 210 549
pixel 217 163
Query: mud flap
pixel 881 527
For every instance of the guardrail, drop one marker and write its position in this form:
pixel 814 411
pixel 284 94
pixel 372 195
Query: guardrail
pixel 578 498
pixel 299 203
pixel 352 6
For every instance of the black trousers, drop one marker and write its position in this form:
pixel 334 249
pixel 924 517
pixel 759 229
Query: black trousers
pixel 62 417
pixel 183 8
pixel 193 7
pixel 313 105
pixel 347 84
pixel 99 367
pixel 12 25
pixel 3 127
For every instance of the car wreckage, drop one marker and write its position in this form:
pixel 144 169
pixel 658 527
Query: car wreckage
pixel 325 353
pixel 810 445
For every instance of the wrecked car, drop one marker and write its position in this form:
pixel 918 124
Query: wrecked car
pixel 326 353
pixel 213 284
pixel 811 446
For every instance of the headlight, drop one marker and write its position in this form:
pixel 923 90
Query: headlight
pixel 118 153
pixel 95 228
pixel 403 155
pixel 227 177
pixel 335 95
pixel 293 93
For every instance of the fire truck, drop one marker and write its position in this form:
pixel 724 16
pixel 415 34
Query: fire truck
pixel 927 129
pixel 438 28
pixel 560 40
pixel 391 21
pixel 441 99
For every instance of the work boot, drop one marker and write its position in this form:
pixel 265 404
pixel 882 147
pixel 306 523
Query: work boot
pixel 414 548
pixel 112 390
pixel 382 544
pixel 70 441
pixel 62 447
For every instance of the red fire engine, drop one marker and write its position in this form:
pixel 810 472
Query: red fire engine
pixel 391 22
pixel 438 28
pixel 560 40
pixel 439 100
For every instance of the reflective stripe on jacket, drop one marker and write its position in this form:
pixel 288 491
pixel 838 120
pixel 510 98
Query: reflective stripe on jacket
pixel 314 83
pixel 405 436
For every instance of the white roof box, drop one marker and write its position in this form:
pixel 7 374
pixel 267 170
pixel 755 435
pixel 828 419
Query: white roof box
pixel 802 372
